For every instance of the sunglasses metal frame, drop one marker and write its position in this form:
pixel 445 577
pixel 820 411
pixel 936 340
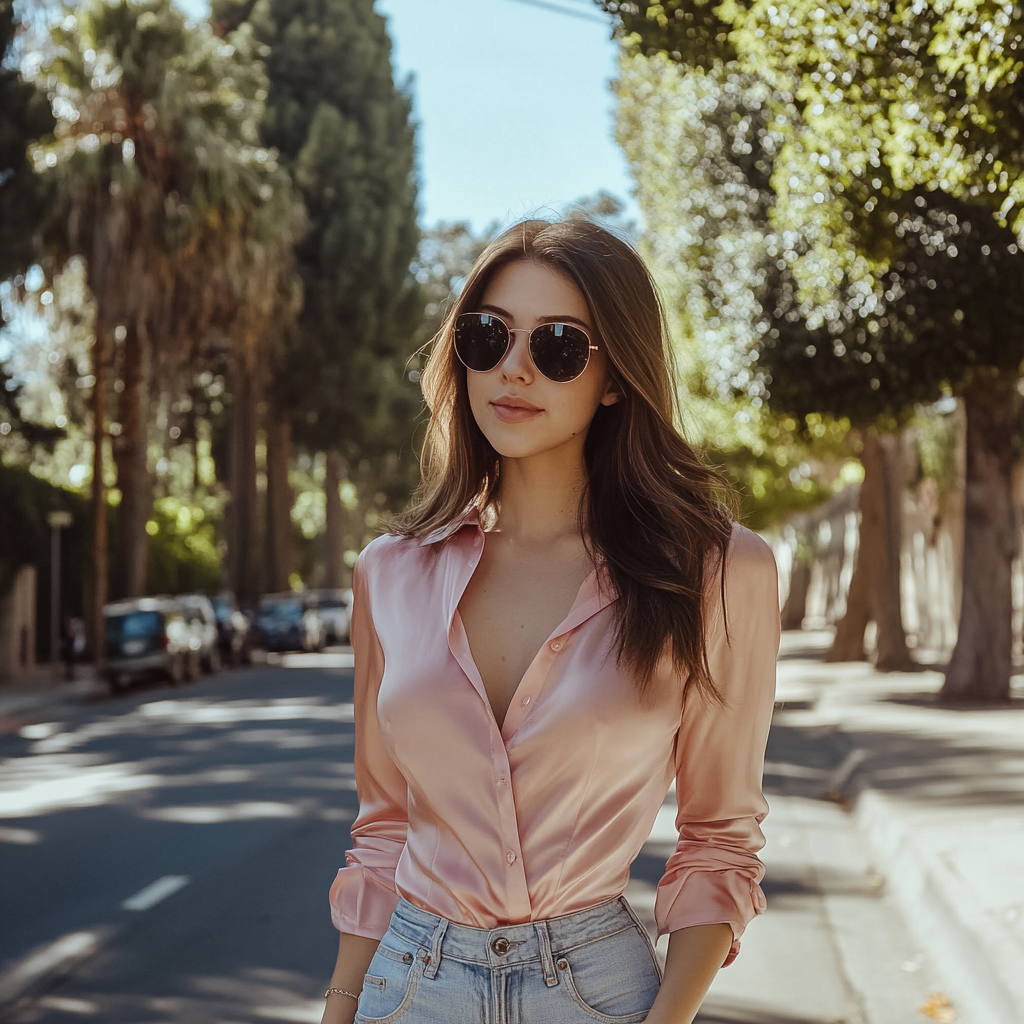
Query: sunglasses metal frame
pixel 529 333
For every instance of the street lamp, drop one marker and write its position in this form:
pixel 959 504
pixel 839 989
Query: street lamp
pixel 58 521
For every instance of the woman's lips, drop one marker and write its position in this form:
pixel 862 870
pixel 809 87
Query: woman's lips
pixel 514 410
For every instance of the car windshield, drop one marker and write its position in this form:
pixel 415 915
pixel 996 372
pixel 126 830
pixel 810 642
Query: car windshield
pixel 134 624
pixel 289 610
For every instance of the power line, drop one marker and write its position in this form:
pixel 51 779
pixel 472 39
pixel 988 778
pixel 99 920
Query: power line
pixel 563 10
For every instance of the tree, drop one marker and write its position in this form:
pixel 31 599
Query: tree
pixel 902 170
pixel 703 146
pixel 343 131
pixel 24 115
pixel 156 166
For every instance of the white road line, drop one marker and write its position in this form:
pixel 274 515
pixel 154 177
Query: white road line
pixel 157 891
pixel 46 959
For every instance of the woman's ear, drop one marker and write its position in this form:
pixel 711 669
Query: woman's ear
pixel 612 394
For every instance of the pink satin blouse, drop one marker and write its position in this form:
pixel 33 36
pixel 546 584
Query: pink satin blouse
pixel 544 816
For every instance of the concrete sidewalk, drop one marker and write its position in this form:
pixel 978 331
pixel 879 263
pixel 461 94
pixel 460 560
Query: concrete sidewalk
pixel 938 792
pixel 43 690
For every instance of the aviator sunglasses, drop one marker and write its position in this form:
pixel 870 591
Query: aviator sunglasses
pixel 559 351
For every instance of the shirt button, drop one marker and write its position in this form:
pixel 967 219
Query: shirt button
pixel 501 780
pixel 510 857
pixel 526 700
pixel 556 646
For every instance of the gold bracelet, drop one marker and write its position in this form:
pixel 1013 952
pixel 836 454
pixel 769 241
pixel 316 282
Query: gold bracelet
pixel 341 992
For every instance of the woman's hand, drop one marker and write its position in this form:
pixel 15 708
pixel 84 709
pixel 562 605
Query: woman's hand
pixel 354 956
pixel 694 957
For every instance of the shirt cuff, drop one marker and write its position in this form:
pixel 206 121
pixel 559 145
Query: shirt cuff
pixel 695 896
pixel 361 903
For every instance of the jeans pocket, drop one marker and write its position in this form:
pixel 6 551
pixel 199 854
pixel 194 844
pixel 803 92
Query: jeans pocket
pixel 612 979
pixel 390 982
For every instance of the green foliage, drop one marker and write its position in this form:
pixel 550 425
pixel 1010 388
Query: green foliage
pixel 24 115
pixel 896 175
pixel 182 549
pixel 343 130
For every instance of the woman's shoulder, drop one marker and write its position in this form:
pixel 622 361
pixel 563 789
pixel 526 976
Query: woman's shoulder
pixel 749 552
pixel 386 551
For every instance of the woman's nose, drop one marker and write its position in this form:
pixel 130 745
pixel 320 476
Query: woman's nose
pixel 517 364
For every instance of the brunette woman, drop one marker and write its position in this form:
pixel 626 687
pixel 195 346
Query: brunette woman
pixel 564 623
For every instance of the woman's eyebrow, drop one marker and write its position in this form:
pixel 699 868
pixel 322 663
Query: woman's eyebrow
pixel 490 308
pixel 563 318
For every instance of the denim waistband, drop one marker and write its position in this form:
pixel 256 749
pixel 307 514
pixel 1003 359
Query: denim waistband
pixel 511 943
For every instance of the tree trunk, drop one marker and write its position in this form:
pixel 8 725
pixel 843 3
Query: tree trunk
pixel 279 499
pixel 99 498
pixel 981 664
pixel 874 593
pixel 242 539
pixel 335 554
pixel 130 452
pixel 892 654
pixel 796 600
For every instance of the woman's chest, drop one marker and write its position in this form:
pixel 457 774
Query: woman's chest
pixel 509 610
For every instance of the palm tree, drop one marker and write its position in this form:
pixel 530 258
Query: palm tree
pixel 165 190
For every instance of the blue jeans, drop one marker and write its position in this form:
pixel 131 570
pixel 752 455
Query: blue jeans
pixel 595 965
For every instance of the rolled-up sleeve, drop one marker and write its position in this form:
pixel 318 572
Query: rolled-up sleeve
pixel 363 895
pixel 713 875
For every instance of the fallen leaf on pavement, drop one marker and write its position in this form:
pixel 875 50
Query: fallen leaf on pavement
pixel 938 1007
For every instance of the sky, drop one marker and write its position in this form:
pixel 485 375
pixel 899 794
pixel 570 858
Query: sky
pixel 513 104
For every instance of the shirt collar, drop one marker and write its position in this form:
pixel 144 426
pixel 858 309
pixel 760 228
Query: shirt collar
pixel 469 517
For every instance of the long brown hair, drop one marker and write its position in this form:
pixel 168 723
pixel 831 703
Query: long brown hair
pixel 653 511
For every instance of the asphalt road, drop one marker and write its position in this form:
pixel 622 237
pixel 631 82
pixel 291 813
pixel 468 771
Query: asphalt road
pixel 165 857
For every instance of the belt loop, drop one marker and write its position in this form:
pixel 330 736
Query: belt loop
pixel 435 948
pixel 547 961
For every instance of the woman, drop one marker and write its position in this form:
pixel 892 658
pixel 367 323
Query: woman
pixel 566 621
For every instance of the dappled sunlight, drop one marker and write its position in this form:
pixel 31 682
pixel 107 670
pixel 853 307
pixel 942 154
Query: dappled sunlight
pixel 199 711
pixel 42 785
pixel 77 766
pixel 330 659
pixel 214 814
pixel 20 836
pixel 62 1004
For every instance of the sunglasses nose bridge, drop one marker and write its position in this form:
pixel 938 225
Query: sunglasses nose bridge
pixel 512 332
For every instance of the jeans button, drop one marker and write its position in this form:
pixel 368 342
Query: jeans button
pixel 500 945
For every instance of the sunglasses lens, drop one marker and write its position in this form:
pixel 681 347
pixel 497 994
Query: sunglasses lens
pixel 560 351
pixel 481 340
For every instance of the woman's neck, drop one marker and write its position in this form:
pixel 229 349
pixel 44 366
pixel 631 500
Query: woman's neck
pixel 539 498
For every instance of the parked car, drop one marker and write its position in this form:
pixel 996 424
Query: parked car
pixel 232 629
pixel 288 622
pixel 148 637
pixel 202 619
pixel 335 610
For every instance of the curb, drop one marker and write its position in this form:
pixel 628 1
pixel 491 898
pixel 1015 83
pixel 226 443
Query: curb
pixel 977 959
pixel 38 971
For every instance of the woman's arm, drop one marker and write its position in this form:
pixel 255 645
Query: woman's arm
pixel 363 894
pixel 354 956
pixel 694 957
pixel 709 891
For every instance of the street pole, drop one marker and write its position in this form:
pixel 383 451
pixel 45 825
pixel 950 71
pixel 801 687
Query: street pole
pixel 57 520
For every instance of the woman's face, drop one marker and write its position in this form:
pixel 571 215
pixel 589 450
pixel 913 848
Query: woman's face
pixel 519 410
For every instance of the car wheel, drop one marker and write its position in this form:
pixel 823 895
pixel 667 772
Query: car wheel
pixel 116 682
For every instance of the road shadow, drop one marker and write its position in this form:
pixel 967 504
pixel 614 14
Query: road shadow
pixel 734 1014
